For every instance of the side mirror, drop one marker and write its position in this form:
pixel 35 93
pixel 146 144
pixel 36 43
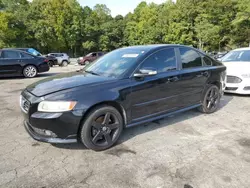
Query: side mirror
pixel 145 72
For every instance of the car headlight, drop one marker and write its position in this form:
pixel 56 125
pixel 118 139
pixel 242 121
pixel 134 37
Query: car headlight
pixel 56 106
pixel 81 58
pixel 245 75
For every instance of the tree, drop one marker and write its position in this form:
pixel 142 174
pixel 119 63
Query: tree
pixel 241 24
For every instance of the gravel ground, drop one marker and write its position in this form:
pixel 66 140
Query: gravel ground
pixel 189 150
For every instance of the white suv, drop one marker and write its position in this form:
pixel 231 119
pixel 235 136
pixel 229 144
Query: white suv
pixel 62 58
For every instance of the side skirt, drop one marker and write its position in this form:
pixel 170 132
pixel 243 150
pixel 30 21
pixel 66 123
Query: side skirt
pixel 162 116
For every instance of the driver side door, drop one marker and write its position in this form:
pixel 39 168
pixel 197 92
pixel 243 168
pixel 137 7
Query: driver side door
pixel 154 95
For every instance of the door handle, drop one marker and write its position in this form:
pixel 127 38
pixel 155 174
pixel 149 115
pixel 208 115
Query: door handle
pixel 205 73
pixel 173 79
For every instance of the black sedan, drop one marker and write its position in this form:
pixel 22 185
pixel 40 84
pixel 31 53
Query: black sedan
pixel 16 63
pixel 124 88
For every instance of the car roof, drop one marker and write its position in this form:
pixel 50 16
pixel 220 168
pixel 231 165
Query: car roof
pixel 240 49
pixel 16 50
pixel 154 47
pixel 57 53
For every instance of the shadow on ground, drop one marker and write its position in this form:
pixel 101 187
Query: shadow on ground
pixel 151 126
pixel 21 77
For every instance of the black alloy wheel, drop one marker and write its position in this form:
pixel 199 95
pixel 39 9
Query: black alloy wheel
pixel 211 100
pixel 102 128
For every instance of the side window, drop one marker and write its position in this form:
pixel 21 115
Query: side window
pixel 162 61
pixel 207 61
pixel 10 55
pixel 26 56
pixel 94 54
pixel 190 58
pixel 100 54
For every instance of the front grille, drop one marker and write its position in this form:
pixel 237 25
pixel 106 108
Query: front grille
pixel 233 79
pixel 24 104
pixel 231 88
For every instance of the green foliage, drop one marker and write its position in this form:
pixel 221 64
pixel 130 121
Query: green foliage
pixel 63 25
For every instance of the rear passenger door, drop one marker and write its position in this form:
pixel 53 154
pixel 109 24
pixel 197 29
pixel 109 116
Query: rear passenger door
pixel 26 59
pixel 194 76
pixel 10 62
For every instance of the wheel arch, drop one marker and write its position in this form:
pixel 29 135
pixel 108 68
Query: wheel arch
pixel 217 83
pixel 114 104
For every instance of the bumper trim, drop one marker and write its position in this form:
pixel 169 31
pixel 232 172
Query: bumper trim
pixel 47 139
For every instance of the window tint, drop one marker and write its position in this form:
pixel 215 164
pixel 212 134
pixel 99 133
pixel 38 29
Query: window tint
pixel 207 61
pixel 94 54
pixel 190 58
pixel 162 61
pixel 26 56
pixel 11 54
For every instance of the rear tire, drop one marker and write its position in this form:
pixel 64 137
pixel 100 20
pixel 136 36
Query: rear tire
pixel 50 63
pixel 64 64
pixel 30 71
pixel 101 128
pixel 210 100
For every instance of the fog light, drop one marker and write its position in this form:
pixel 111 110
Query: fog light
pixel 49 133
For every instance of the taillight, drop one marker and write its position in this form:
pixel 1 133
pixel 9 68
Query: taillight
pixel 46 60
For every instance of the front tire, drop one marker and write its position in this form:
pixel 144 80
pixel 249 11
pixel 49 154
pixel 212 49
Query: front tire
pixel 101 128
pixel 30 71
pixel 211 100
pixel 86 62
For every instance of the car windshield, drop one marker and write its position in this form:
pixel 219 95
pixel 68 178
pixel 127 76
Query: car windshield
pixel 115 63
pixel 241 55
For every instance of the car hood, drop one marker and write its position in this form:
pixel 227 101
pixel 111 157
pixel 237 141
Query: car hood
pixel 65 81
pixel 237 68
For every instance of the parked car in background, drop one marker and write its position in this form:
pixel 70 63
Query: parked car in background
pixel 90 58
pixel 220 55
pixel 124 88
pixel 62 58
pixel 51 59
pixel 16 63
pixel 238 71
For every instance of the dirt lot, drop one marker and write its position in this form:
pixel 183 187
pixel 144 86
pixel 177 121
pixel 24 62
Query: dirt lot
pixel 190 150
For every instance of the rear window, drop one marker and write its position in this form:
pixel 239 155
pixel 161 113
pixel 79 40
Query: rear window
pixel 207 61
pixel 190 58
pixel 26 56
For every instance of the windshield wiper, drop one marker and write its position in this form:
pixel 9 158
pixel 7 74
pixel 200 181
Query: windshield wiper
pixel 91 72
